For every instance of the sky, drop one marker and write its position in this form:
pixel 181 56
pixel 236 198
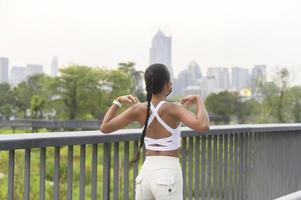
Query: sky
pixel 240 33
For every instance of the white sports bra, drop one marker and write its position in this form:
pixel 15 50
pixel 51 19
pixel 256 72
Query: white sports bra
pixel 162 144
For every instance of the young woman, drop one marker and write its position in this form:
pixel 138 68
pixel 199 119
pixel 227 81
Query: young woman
pixel 160 176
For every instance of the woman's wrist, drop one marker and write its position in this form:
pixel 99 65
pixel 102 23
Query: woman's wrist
pixel 196 97
pixel 117 102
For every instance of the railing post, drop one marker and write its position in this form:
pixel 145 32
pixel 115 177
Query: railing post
pixel 126 171
pixel 11 172
pixel 106 171
pixel 42 172
pixel 56 176
pixel 184 153
pixel 116 171
pixel 82 172
pixel 70 173
pixel 94 172
pixel 197 167
pixel 190 166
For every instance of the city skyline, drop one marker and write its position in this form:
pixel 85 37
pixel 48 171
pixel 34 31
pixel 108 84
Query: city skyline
pixel 231 33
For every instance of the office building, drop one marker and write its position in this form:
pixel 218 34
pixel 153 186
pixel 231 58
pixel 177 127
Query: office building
pixel 17 75
pixel 3 70
pixel 221 75
pixel 33 69
pixel 160 51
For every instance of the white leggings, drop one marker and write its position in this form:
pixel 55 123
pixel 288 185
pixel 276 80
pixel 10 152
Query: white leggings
pixel 160 178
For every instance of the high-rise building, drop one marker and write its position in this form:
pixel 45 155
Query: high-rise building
pixel 3 70
pixel 17 75
pixel 208 85
pixel 160 51
pixel 188 77
pixel 240 78
pixel 54 67
pixel 258 74
pixel 195 72
pixel 33 69
pixel 221 75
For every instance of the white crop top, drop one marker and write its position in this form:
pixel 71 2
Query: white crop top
pixel 162 144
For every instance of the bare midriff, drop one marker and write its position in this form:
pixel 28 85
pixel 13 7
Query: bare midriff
pixel 174 153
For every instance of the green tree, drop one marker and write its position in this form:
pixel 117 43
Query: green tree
pixel 223 103
pixel 40 85
pixel 6 100
pixel 136 79
pixel 80 88
pixel 36 106
pixel 275 102
pixel 294 94
pixel 247 110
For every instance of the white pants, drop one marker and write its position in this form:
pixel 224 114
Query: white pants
pixel 160 178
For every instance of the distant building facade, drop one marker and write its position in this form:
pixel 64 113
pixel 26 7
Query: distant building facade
pixel 188 77
pixel 33 69
pixel 54 67
pixel 258 74
pixel 221 75
pixel 240 78
pixel 208 85
pixel 160 51
pixel 4 70
pixel 17 75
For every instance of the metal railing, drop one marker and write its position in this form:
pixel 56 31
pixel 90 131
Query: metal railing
pixel 292 196
pixel 256 162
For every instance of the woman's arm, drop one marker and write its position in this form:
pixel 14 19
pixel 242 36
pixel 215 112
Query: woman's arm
pixel 199 122
pixel 111 122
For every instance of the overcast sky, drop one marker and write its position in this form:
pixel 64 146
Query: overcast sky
pixel 213 33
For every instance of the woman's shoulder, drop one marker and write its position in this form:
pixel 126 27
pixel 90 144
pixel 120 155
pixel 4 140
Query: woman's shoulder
pixel 173 103
pixel 168 104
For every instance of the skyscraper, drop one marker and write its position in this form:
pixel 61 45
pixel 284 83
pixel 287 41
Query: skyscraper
pixel 258 74
pixel 3 70
pixel 33 69
pixel 240 78
pixel 160 51
pixel 190 76
pixel 221 75
pixel 17 75
pixel 207 85
pixel 54 67
pixel 195 72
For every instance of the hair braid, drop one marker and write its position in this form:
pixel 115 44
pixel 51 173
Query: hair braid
pixel 149 90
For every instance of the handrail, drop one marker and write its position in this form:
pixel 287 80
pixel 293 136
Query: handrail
pixel 37 140
pixel 292 196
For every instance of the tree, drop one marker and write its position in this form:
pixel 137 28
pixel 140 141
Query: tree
pixel 80 88
pixel 6 100
pixel 294 94
pixel 275 97
pixel 36 106
pixel 136 77
pixel 40 85
pixel 223 103
pixel 246 110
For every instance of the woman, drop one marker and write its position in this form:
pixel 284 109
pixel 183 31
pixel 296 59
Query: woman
pixel 160 176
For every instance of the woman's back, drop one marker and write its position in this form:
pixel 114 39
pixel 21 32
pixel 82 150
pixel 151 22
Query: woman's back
pixel 168 124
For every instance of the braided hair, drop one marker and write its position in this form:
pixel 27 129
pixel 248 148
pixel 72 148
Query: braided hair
pixel 155 76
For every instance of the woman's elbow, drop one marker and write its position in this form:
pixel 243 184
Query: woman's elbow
pixel 204 128
pixel 103 129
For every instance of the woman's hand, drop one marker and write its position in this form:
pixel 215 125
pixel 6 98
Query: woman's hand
pixel 130 99
pixel 188 100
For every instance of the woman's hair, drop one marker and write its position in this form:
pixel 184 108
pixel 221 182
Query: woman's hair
pixel 155 76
